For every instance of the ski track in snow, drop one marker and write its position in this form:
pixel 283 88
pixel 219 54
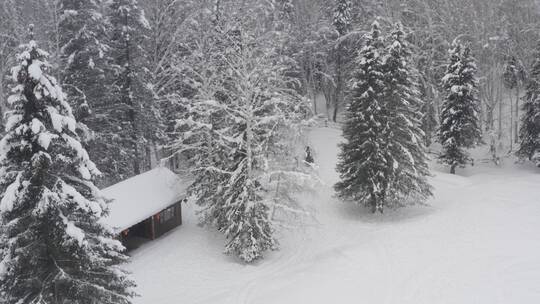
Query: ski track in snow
pixel 476 242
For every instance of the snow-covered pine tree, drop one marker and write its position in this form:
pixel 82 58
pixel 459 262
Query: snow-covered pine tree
pixel 133 116
pixel 365 165
pixel 83 46
pixel 233 136
pixel 383 161
pixel 58 251
pixel 529 133
pixel 82 31
pixel 405 141
pixel 459 126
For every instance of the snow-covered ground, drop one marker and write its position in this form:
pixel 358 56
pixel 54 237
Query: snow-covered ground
pixel 478 241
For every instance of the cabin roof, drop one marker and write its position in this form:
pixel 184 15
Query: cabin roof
pixel 139 197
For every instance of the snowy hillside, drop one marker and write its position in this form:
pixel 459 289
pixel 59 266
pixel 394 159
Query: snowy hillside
pixel 476 242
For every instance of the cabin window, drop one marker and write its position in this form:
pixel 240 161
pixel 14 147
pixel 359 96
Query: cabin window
pixel 167 214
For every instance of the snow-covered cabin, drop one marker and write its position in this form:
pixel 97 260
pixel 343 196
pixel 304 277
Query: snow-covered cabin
pixel 146 206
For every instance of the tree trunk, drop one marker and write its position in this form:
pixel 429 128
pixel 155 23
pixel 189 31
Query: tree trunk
pixel 500 113
pixel 516 121
pixel 511 122
pixel 328 94
pixel 453 169
pixel 133 114
pixel 276 198
pixel 489 118
pixel 314 97
pixel 310 86
pixel 339 85
pixel 249 139
pixel 482 118
pixel 57 55
pixel 334 115
pixel 3 102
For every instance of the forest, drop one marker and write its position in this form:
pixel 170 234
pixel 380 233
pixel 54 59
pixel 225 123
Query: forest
pixel 93 92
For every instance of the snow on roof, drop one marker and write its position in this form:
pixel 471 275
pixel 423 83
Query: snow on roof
pixel 138 198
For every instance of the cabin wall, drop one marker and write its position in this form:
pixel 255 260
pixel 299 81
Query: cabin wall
pixel 167 219
pixel 153 227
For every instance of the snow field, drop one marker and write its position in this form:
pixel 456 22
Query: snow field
pixel 476 242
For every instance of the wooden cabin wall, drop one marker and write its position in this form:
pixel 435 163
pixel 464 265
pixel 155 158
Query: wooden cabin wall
pixel 161 226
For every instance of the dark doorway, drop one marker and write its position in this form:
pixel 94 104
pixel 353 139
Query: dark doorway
pixel 137 235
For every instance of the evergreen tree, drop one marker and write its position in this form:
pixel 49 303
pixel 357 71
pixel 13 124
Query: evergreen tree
pixel 529 133
pixel 459 126
pixel 82 31
pixel 133 116
pixel 383 161
pixel 406 138
pixel 364 162
pixel 58 251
